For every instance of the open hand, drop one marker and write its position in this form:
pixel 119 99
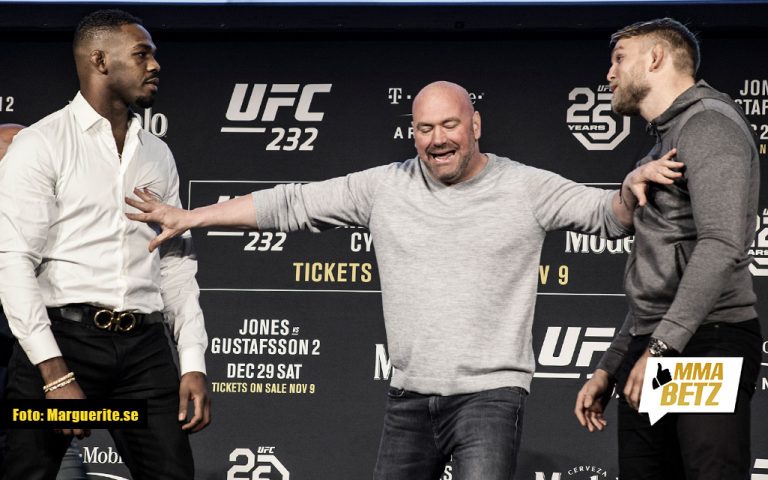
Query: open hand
pixel 171 220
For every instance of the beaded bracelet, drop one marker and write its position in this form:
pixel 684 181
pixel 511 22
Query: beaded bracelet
pixel 58 382
pixel 59 385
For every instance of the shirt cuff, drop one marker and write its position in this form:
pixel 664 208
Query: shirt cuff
pixel 192 359
pixel 40 346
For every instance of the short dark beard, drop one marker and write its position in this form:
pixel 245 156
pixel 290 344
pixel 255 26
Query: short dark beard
pixel 144 102
pixel 631 97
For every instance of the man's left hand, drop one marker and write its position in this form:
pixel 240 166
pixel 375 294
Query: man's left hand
pixel 634 387
pixel 664 171
pixel 194 388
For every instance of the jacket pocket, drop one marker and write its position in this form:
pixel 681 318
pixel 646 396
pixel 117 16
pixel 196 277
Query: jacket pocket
pixel 681 259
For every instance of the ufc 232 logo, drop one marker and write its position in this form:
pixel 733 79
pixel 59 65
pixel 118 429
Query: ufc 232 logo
pixel 263 465
pixel 281 103
pixel 591 120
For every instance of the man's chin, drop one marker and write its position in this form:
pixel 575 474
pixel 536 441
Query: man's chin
pixel 625 109
pixel 445 176
pixel 144 102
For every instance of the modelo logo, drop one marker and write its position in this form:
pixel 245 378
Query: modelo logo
pixel 154 123
pixel 591 120
pixel 241 111
pixel 584 243
pixel 580 472
pixel 263 465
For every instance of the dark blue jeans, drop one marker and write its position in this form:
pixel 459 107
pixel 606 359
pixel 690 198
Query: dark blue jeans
pixel 480 430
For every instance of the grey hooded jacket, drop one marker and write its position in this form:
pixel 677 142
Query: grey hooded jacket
pixel 689 264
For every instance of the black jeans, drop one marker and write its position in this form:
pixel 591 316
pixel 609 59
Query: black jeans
pixel 693 446
pixel 134 365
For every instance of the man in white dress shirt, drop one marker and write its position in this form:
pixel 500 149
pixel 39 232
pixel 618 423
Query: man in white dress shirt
pixel 88 306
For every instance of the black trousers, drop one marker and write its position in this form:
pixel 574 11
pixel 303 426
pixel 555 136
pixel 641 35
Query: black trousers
pixel 693 446
pixel 136 365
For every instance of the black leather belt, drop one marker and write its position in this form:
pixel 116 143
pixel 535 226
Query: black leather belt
pixel 104 318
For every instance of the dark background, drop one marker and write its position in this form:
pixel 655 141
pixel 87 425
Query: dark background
pixel 520 61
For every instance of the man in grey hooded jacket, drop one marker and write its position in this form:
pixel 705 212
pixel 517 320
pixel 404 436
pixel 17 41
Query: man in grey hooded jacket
pixel 687 280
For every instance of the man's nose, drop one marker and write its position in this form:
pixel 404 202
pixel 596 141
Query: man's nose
pixel 438 136
pixel 153 65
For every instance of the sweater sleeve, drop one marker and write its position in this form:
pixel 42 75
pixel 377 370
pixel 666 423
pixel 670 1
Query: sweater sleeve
pixel 319 206
pixel 716 154
pixel 561 204
pixel 614 356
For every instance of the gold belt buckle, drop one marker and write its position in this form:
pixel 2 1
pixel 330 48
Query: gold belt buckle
pixel 114 321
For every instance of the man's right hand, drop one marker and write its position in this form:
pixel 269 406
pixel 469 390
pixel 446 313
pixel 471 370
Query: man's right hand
pixel 238 212
pixel 172 221
pixel 664 171
pixel 69 392
pixel 51 370
pixel 592 400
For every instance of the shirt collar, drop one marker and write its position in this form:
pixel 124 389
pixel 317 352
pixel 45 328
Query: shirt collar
pixel 87 117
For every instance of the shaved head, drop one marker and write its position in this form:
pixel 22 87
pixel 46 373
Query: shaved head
pixel 7 132
pixel 96 25
pixel 98 31
pixel 447 90
pixel 446 130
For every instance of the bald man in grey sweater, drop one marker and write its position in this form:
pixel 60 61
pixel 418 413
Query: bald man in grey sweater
pixel 458 236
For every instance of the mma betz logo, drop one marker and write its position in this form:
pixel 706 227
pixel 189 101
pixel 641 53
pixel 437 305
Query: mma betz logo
pixel 591 120
pixel 690 385
pixel 292 102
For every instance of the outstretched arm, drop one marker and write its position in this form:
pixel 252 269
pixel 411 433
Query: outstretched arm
pixel 238 213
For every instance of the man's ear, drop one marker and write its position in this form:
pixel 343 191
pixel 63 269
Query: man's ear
pixel 658 55
pixel 98 59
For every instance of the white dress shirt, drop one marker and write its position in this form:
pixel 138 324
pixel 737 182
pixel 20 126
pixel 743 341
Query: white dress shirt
pixel 64 236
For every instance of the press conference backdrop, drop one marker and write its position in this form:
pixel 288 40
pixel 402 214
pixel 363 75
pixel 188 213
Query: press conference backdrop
pixel 298 361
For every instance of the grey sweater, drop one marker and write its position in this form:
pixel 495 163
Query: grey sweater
pixel 689 264
pixel 457 264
